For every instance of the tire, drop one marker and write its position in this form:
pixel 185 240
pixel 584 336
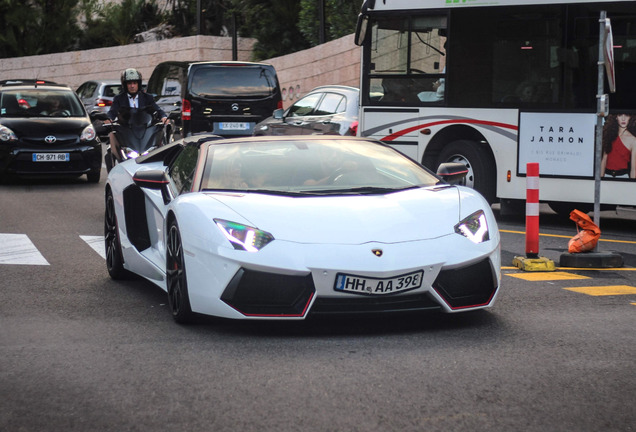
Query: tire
pixel 93 175
pixel 108 160
pixel 176 279
pixel 481 168
pixel 114 257
pixel 564 209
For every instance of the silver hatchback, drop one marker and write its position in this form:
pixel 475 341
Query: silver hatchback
pixel 325 110
pixel 98 95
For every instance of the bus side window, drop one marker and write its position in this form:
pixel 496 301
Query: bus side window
pixel 398 90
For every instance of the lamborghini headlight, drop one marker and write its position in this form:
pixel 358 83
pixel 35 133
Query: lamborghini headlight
pixel 244 237
pixel 474 227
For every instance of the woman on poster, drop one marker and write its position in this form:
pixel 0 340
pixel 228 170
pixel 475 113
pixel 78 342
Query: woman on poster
pixel 619 147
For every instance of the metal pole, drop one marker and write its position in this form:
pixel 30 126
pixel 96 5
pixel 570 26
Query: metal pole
pixel 322 34
pixel 234 38
pixel 599 121
pixel 199 17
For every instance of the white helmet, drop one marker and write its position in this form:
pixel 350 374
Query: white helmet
pixel 130 75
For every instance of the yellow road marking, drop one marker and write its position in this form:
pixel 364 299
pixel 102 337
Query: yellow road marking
pixel 578 269
pixel 600 268
pixel 567 237
pixel 605 290
pixel 547 276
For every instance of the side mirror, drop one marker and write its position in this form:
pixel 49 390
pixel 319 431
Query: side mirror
pixel 278 113
pixel 363 22
pixel 361 29
pixel 154 180
pixel 452 172
pixel 97 115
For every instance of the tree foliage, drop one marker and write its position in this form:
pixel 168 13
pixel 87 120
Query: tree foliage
pixel 213 20
pixel 339 15
pixel 34 27
pixel 273 23
pixel 31 27
pixel 116 23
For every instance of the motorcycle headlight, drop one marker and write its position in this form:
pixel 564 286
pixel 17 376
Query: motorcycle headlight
pixel 88 134
pixel 243 237
pixel 474 227
pixel 130 154
pixel 7 134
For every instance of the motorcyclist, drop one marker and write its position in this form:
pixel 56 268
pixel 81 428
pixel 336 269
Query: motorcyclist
pixel 131 96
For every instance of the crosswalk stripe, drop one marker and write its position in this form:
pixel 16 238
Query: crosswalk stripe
pixel 19 249
pixel 97 243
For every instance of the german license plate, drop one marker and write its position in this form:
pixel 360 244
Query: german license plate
pixel 374 286
pixel 51 157
pixel 235 126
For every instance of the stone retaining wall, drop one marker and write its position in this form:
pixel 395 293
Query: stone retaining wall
pixel 335 62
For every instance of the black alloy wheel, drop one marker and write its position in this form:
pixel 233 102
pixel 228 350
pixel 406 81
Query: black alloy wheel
pixel 108 160
pixel 114 259
pixel 176 279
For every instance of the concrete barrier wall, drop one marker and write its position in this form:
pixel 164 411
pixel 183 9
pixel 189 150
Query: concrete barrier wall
pixel 336 62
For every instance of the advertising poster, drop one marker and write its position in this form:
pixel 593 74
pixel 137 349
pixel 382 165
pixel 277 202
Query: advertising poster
pixel 618 161
pixel 562 144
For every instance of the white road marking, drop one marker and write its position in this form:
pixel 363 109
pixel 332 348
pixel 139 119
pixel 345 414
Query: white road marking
pixel 18 249
pixel 97 243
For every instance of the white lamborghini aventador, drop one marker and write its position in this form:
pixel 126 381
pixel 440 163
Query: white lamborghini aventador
pixel 289 227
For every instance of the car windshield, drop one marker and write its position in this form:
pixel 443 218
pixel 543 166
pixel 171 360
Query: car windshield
pixel 39 103
pixel 314 167
pixel 232 82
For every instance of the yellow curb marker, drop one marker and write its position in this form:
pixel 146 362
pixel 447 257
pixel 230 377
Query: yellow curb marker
pixel 605 290
pixel 567 236
pixel 548 276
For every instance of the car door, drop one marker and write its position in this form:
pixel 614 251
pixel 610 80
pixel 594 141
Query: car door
pixel 181 173
pixel 295 120
pixel 322 120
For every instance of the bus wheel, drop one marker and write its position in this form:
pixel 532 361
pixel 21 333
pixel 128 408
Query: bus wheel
pixel 481 168
pixel 564 209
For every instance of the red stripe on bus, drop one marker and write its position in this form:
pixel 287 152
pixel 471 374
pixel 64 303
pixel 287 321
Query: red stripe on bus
pixel 482 122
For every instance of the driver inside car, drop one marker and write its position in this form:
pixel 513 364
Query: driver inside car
pixel 53 106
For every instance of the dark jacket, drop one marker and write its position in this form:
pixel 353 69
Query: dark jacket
pixel 121 100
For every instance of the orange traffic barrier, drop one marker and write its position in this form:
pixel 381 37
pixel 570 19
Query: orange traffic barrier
pixel 587 237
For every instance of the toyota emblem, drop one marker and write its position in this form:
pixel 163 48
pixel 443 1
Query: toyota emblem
pixel 377 252
pixel 235 107
pixel 50 139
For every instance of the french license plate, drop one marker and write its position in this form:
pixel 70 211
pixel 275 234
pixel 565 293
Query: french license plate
pixel 51 157
pixel 234 126
pixel 372 286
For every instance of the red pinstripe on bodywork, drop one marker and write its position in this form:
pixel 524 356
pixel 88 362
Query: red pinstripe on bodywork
pixel 469 121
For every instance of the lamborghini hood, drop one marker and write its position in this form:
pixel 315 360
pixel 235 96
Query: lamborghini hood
pixel 410 215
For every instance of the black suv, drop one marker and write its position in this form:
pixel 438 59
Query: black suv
pixel 223 97
pixel 45 130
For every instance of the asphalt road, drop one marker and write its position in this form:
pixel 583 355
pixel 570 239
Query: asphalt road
pixel 80 352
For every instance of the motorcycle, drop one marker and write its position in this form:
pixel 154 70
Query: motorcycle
pixel 138 131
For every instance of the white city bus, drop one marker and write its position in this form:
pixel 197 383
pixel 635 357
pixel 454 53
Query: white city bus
pixel 497 84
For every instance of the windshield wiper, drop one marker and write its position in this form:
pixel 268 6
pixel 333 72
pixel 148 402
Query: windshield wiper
pixel 259 191
pixel 362 190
